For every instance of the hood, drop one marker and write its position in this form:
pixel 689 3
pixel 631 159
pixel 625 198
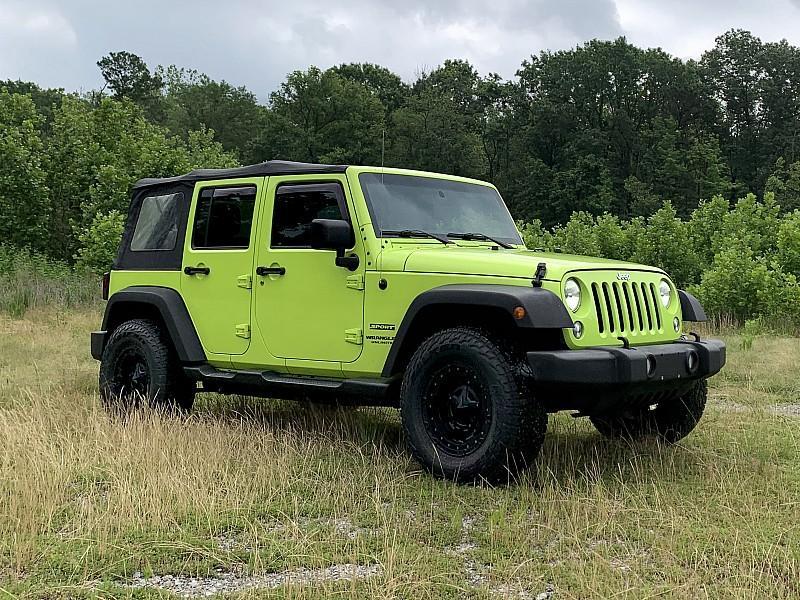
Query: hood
pixel 482 260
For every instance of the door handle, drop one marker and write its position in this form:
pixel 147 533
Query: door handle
pixel 196 270
pixel 270 271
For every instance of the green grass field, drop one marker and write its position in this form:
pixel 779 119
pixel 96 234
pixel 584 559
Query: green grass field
pixel 289 497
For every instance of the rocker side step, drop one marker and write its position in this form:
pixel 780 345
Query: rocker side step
pixel 270 384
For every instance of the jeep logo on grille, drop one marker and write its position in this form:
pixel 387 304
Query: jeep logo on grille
pixel 624 276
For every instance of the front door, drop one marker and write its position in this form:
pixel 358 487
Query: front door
pixel 305 306
pixel 218 262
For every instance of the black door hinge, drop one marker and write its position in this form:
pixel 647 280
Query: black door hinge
pixel 541 271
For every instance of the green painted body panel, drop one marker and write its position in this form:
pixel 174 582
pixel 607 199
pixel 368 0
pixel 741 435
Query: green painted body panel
pixel 167 279
pixel 641 320
pixel 320 319
pixel 216 302
pixel 304 314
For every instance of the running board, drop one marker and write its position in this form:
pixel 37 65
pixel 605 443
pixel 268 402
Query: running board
pixel 270 384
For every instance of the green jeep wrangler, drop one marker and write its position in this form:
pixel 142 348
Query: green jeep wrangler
pixel 389 287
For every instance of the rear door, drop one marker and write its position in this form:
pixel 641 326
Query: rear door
pixel 216 278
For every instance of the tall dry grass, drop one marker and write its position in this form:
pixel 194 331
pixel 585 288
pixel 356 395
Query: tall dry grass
pixel 29 281
pixel 259 486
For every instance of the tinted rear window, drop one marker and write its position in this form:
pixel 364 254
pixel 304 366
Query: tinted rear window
pixel 157 225
pixel 224 217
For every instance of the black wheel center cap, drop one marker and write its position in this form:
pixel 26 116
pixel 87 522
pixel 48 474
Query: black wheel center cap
pixel 457 409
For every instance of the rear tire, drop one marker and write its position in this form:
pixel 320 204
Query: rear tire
pixel 465 409
pixel 670 421
pixel 139 369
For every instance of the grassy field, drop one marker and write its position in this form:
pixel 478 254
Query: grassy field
pixel 288 497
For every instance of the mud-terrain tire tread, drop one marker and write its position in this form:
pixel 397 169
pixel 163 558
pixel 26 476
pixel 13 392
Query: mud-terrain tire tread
pixel 670 422
pixel 169 389
pixel 519 421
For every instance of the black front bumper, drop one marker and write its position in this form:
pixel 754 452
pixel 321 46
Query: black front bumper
pixel 597 379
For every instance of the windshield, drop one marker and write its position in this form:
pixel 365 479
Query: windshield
pixel 410 202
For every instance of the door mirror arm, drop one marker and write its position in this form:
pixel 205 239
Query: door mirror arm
pixel 335 234
pixel 348 262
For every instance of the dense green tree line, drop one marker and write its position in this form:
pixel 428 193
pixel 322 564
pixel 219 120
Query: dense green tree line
pixel 606 130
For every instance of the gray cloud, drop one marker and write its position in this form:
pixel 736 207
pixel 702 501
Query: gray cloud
pixel 256 43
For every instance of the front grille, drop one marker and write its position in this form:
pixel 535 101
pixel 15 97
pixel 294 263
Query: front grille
pixel 626 307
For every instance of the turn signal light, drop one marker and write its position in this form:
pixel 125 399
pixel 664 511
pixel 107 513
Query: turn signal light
pixel 519 313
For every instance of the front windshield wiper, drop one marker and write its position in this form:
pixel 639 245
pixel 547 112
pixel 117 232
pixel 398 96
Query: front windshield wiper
pixel 480 237
pixel 412 233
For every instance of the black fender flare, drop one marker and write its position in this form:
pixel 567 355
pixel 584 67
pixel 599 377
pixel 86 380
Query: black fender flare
pixel 543 309
pixel 691 309
pixel 169 304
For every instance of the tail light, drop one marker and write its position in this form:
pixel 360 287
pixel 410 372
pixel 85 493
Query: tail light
pixel 106 282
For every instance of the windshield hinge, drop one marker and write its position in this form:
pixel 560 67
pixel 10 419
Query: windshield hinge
pixel 355 282
pixel 541 271
pixel 245 281
pixel 354 336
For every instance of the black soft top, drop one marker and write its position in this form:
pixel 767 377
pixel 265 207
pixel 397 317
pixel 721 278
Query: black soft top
pixel 270 167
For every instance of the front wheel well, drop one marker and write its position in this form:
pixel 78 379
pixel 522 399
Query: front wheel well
pixel 493 320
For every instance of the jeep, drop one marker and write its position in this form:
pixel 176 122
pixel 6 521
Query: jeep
pixel 390 287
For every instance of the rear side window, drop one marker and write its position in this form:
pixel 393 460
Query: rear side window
pixel 157 225
pixel 223 218
pixel 296 206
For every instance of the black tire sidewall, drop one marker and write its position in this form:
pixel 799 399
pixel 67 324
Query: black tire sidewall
pixel 494 460
pixel 670 422
pixel 164 379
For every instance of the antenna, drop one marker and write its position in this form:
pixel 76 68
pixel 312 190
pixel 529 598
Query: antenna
pixel 383 150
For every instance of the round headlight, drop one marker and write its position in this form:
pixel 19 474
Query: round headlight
pixel 665 291
pixel 572 294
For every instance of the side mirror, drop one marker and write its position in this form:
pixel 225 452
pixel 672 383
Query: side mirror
pixel 334 234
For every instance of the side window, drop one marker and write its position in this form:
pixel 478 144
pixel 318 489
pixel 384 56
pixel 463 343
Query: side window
pixel 296 206
pixel 223 217
pixel 157 225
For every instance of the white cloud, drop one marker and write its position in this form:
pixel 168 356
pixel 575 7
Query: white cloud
pixel 256 42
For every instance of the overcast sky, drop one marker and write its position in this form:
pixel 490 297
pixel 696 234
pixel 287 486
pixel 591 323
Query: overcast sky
pixel 255 43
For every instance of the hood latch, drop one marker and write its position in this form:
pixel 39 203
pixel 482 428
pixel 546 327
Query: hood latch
pixel 541 271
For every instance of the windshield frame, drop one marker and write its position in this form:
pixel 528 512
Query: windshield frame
pixel 516 241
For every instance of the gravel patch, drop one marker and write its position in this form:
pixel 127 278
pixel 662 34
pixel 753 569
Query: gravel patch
pixel 781 410
pixel 224 583
pixel 477 574
pixel 786 410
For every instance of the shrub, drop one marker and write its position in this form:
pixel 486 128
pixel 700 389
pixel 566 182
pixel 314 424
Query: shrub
pixel 731 285
pixel 99 243
pixel 667 245
pixel 789 243
pixel 577 236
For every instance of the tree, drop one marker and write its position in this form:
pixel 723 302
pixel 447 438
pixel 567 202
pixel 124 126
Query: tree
pixel 784 184
pixel 379 81
pixel 24 211
pixel 320 116
pixel 128 77
pixel 734 70
pixel 96 153
pixel 193 101
pixel 438 127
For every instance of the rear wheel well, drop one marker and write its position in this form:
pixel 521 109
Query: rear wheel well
pixel 125 311
pixel 494 320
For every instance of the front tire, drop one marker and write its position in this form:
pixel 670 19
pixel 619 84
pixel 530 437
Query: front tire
pixel 139 369
pixel 669 421
pixel 465 409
